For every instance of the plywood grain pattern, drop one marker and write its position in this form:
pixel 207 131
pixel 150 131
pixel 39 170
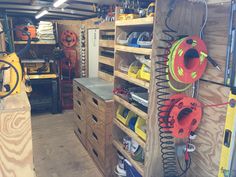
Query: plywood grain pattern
pixel 205 160
pixel 16 159
pixel 186 19
pixel 216 37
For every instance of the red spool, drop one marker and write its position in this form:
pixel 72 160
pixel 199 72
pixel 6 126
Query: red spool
pixel 190 61
pixel 68 38
pixel 184 114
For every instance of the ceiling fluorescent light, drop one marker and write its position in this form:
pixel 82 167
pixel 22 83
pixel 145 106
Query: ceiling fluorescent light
pixel 41 13
pixel 58 3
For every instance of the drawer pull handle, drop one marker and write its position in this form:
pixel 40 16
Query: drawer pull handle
pixel 78 89
pixel 79 131
pixel 94 118
pixel 79 117
pixel 78 102
pixel 95 101
pixel 95 136
pixel 95 153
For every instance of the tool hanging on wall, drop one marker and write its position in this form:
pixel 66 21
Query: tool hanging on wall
pixel 187 62
pixel 228 160
pixel 184 114
pixel 11 70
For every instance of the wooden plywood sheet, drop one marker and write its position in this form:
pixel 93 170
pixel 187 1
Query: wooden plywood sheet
pixel 205 160
pixel 216 37
pixel 16 157
pixel 186 19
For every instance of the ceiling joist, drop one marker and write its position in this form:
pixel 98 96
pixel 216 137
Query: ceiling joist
pixel 72 9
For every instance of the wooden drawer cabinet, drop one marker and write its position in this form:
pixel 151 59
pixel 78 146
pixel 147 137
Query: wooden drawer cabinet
pixel 80 122
pixel 94 153
pixel 97 139
pixel 80 134
pixel 93 121
pixel 95 102
pixel 78 90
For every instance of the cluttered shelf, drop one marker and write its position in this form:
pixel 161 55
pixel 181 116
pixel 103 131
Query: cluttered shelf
pixel 148 21
pixel 136 50
pixel 129 132
pixel 131 107
pixel 135 81
pixel 44 42
pixel 137 165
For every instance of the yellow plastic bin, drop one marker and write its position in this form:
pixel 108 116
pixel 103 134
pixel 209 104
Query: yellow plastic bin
pixel 139 128
pixel 124 120
pixel 134 69
pixel 144 73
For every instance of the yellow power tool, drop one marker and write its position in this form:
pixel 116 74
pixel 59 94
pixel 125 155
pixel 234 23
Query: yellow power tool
pixel 11 70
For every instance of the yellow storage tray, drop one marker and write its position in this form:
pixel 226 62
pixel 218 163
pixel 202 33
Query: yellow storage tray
pixel 134 69
pixel 124 120
pixel 138 128
pixel 143 74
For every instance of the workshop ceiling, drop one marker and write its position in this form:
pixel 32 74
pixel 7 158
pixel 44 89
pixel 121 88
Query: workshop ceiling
pixel 71 10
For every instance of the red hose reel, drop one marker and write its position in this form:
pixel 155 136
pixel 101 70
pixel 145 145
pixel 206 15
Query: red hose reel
pixel 183 115
pixel 68 38
pixel 188 59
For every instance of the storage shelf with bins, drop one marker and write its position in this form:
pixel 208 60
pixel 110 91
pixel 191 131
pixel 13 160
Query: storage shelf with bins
pixel 125 55
pixel 106 51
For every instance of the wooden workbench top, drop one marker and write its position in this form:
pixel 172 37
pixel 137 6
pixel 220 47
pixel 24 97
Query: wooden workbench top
pixel 103 89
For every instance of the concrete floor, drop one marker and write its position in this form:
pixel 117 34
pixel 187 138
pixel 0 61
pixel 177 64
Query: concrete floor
pixel 57 151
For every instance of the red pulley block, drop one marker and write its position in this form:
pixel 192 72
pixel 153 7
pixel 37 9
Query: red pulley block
pixel 68 38
pixel 184 115
pixel 190 60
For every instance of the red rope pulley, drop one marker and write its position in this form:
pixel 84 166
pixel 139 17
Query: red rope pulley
pixel 68 38
pixel 183 115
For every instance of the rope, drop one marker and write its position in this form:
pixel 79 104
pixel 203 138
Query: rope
pixel 209 105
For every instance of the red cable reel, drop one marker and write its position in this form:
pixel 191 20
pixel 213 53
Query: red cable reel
pixel 187 61
pixel 68 38
pixel 183 115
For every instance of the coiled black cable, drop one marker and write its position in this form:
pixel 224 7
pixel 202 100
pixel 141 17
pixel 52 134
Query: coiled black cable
pixel 167 144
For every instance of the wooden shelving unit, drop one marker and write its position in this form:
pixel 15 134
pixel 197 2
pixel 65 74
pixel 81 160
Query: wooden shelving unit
pixel 107 61
pixel 129 133
pixel 106 44
pixel 131 107
pixel 122 79
pixel 135 50
pixel 138 82
pixel 139 166
pixel 148 21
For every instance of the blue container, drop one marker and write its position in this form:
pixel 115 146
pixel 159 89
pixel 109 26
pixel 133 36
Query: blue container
pixel 132 123
pixel 130 170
